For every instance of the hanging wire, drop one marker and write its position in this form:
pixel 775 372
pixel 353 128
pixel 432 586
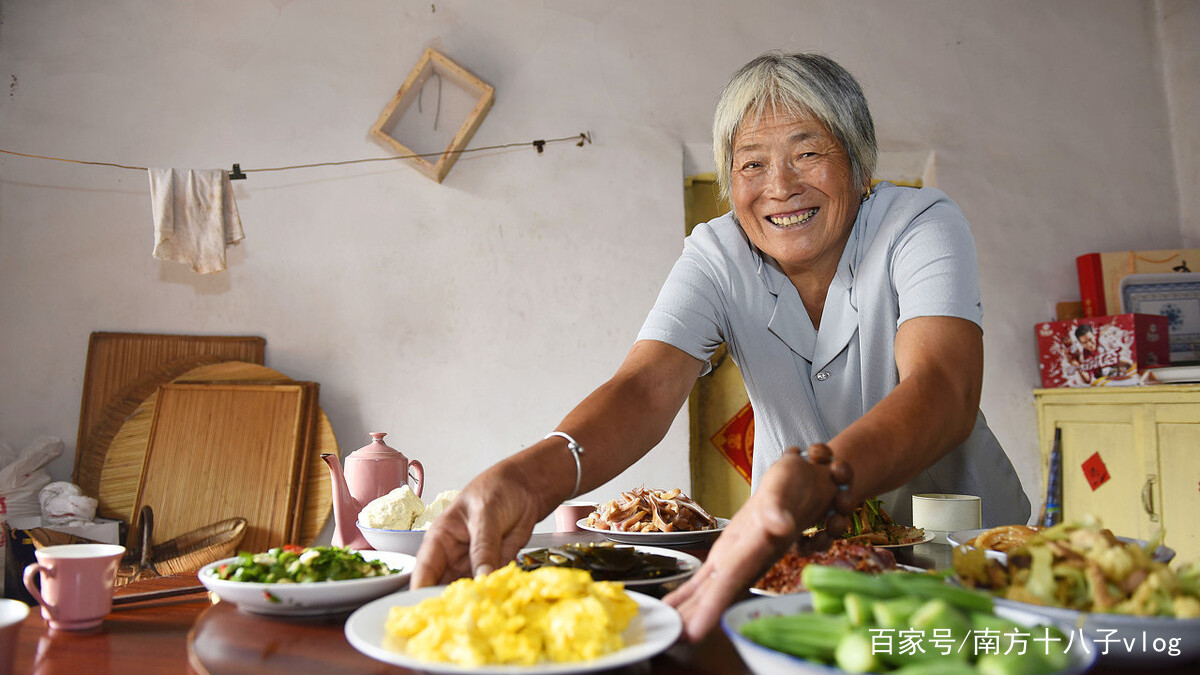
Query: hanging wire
pixel 580 139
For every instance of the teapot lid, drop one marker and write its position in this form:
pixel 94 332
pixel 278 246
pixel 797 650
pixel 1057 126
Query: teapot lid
pixel 377 449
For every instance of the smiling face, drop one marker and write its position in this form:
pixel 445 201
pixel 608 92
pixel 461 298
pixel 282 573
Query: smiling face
pixel 793 192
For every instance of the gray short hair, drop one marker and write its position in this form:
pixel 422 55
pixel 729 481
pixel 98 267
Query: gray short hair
pixel 800 84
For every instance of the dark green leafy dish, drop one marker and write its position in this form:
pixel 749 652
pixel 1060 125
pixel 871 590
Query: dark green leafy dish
pixel 297 564
pixel 605 560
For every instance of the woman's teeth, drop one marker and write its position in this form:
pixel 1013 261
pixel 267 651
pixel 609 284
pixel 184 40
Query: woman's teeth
pixel 794 219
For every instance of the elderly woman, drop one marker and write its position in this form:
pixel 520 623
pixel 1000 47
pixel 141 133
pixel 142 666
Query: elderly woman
pixel 853 315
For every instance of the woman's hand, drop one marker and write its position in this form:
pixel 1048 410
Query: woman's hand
pixel 793 496
pixel 484 526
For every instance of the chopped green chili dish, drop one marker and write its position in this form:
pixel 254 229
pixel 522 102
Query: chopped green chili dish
pixel 297 564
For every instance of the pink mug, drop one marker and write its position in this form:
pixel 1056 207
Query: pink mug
pixel 76 583
pixel 568 514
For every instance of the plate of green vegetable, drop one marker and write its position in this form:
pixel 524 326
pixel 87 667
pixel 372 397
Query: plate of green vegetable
pixel 306 581
pixel 897 622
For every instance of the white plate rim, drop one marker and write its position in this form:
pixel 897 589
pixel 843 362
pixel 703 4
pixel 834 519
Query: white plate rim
pixel 659 538
pixel 693 563
pixel 317 598
pixel 661 623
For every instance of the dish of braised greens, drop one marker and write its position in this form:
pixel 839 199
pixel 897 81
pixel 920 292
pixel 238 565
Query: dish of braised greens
pixel 607 561
pixel 298 564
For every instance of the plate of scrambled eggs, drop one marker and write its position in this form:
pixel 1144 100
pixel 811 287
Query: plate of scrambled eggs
pixel 545 621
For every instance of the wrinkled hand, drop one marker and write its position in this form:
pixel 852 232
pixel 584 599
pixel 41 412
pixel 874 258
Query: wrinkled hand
pixel 793 496
pixel 484 527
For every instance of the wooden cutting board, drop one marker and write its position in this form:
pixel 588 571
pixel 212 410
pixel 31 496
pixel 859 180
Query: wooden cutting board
pixel 122 464
pixel 117 360
pixel 90 453
pixel 227 450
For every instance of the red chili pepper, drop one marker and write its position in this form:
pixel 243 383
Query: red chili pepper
pixel 292 548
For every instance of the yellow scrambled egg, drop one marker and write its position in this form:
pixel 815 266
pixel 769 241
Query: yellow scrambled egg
pixel 515 617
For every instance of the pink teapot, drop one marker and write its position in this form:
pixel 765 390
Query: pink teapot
pixel 371 472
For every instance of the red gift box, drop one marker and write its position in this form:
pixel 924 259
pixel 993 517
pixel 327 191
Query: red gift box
pixel 1102 350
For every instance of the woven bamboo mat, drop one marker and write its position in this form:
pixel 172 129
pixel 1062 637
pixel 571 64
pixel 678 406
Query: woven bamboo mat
pixel 123 462
pixel 116 360
pixel 222 450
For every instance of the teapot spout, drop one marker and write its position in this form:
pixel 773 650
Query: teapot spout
pixel 345 508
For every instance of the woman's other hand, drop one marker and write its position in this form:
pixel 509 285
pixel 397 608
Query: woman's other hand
pixel 793 496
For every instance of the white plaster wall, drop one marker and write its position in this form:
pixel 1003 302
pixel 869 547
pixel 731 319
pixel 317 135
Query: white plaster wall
pixel 466 318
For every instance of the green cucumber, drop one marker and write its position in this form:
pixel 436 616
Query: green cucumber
pixel 944 666
pixel 894 614
pixel 825 602
pixel 929 586
pixel 840 581
pixel 855 653
pixel 859 609
pixel 808 636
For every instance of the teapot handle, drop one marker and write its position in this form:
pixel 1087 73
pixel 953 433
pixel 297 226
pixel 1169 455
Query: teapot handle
pixel 419 477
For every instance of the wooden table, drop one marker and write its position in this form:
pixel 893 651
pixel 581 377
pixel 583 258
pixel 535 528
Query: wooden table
pixel 190 634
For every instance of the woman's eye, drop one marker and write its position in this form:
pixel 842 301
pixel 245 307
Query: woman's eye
pixel 747 166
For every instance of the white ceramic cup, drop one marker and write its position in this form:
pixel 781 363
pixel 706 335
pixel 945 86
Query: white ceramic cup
pixel 567 515
pixel 941 514
pixel 12 615
pixel 76 583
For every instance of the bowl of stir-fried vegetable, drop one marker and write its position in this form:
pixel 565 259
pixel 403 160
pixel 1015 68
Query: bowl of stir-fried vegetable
pixel 1138 609
pixel 296 580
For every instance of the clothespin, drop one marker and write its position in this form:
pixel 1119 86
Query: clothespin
pixel 236 174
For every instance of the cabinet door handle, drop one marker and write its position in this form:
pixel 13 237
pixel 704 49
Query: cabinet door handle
pixel 1148 498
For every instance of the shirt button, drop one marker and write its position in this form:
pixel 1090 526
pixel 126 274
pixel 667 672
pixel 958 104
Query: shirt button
pixel 822 376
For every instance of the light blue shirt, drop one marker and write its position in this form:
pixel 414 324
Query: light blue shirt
pixel 910 254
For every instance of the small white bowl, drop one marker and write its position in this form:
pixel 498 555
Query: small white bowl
pixel 398 541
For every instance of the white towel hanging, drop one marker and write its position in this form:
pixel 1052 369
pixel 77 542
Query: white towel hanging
pixel 195 217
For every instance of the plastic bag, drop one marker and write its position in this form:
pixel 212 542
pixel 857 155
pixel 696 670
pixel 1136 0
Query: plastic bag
pixel 22 477
pixel 64 503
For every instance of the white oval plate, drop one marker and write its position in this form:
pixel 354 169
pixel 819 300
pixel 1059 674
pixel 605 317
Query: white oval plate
pixel 688 566
pixel 1163 554
pixel 764 661
pixel 653 630
pixel 309 599
pixel 659 538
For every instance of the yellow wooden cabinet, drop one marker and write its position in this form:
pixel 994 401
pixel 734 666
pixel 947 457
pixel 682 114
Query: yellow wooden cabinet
pixel 1130 456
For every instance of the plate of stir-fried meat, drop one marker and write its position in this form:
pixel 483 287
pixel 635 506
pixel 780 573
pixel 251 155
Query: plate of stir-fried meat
pixel 784 575
pixel 654 518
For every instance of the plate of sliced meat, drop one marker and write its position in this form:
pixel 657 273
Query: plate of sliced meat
pixel 652 517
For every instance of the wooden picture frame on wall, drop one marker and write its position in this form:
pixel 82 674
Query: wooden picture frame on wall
pixel 402 130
